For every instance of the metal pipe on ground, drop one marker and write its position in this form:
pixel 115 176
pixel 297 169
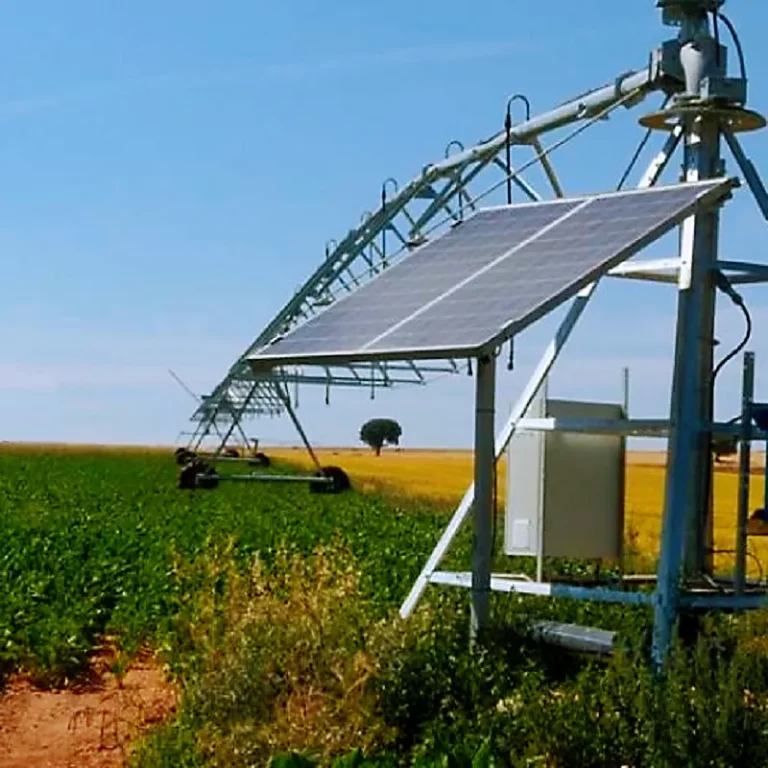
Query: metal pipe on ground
pixel 278 478
pixel 574 637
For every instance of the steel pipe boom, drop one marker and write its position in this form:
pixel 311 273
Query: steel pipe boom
pixel 644 80
pixel 440 184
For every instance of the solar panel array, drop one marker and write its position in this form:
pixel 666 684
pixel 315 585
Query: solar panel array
pixel 489 277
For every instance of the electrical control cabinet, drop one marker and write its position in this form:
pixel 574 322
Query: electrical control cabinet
pixel 565 489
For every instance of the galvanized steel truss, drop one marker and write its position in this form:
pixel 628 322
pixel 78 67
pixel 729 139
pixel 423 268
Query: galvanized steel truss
pixel 438 197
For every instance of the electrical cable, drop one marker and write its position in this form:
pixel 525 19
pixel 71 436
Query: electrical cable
pixel 716 28
pixel 723 284
pixel 742 343
pixel 639 151
pixel 739 50
pixel 633 162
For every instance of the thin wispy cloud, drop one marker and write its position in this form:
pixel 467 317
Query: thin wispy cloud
pixel 29 377
pixel 253 74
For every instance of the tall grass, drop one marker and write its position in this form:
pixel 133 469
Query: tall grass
pixel 292 660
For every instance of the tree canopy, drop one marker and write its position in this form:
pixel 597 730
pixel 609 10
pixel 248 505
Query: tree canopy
pixel 378 432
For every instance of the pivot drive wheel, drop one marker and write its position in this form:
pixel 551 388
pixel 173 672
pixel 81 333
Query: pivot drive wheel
pixel 337 481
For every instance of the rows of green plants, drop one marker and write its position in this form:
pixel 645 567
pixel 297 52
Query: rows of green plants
pixel 276 611
pixel 92 544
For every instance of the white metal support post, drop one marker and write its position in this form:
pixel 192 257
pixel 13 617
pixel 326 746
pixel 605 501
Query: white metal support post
pixel 485 460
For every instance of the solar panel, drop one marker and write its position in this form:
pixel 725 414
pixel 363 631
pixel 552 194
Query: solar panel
pixel 489 277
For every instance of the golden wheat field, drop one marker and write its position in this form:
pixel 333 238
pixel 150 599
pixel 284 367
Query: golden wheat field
pixel 443 476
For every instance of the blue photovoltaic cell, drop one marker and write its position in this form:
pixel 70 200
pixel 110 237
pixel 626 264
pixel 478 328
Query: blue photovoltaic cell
pixel 490 276
pixel 421 277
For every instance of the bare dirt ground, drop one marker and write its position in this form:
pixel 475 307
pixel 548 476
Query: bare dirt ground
pixel 90 725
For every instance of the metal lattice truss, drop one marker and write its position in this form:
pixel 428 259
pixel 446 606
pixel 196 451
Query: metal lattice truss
pixel 439 197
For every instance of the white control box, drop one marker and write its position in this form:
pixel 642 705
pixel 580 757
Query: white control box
pixel 565 490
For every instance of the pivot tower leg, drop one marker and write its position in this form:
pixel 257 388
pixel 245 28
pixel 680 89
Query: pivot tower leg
pixel 687 529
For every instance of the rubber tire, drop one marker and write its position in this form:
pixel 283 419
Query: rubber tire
pixel 187 477
pixel 339 481
pixel 198 474
pixel 260 460
pixel 183 456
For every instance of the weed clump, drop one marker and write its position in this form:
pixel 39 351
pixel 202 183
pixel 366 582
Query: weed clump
pixel 508 701
pixel 278 659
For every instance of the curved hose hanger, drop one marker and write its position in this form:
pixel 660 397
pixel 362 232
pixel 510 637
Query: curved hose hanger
pixel 454 143
pixel 508 129
pixel 364 216
pixel 328 249
pixel 393 181
pixel 460 146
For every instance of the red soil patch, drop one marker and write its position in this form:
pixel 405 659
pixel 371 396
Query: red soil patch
pixel 88 726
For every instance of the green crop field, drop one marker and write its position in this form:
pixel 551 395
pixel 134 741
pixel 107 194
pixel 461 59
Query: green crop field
pixel 98 543
pixel 275 610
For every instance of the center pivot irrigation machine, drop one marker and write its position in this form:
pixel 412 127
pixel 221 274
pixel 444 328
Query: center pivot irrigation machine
pixel 462 281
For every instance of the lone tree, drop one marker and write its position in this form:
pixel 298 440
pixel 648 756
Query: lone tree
pixel 377 432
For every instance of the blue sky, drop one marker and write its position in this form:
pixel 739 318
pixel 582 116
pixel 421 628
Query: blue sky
pixel 171 172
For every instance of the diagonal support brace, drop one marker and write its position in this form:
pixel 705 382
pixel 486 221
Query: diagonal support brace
pixel 750 172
